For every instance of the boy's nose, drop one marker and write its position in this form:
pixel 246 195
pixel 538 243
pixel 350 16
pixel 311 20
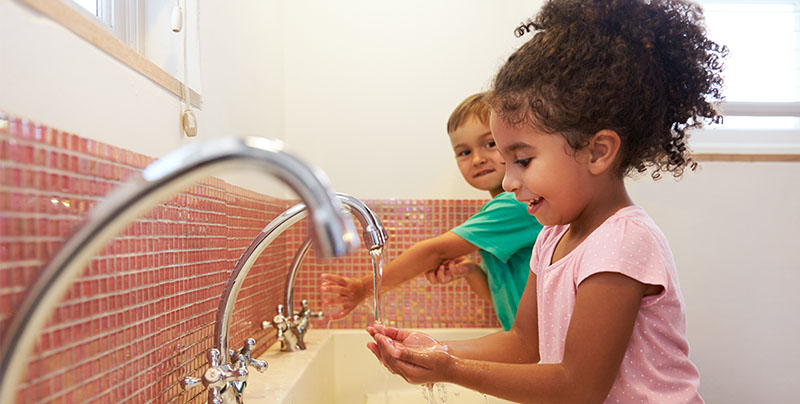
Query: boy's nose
pixel 478 159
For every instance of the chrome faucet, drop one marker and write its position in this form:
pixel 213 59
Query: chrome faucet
pixel 291 326
pixel 333 232
pixel 289 333
pixel 374 235
pixel 226 383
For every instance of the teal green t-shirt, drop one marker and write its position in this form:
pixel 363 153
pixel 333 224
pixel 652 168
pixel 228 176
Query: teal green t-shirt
pixel 504 232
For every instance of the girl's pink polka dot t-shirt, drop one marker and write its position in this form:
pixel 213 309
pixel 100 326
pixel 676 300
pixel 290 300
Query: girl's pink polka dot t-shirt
pixel 656 367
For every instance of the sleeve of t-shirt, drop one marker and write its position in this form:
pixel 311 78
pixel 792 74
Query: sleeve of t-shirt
pixel 628 247
pixel 540 246
pixel 502 228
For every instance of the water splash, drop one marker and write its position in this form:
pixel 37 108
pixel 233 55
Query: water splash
pixel 377 282
pixel 430 391
pixel 427 392
pixel 442 392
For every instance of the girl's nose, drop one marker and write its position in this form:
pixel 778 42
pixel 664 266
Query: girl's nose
pixel 510 184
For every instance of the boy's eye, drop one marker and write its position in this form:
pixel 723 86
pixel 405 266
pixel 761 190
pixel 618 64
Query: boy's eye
pixel 462 153
pixel 523 162
pixel 491 144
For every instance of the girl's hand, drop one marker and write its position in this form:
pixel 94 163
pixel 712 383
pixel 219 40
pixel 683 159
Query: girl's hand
pixel 451 270
pixel 347 292
pixel 415 356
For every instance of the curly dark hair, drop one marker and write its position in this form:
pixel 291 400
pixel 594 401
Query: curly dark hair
pixel 644 69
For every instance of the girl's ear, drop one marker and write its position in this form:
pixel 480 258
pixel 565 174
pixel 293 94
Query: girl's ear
pixel 603 150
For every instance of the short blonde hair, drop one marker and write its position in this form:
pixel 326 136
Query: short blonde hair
pixel 472 107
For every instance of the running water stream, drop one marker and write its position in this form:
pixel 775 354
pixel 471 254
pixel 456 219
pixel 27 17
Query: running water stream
pixel 428 390
pixel 377 282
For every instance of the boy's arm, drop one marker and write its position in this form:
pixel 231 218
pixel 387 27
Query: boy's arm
pixel 418 259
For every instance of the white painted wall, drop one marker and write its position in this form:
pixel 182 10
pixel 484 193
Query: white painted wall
pixel 52 76
pixel 363 90
pixel 370 85
pixel 733 229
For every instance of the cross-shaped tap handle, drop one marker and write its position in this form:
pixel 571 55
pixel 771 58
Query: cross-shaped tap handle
pixel 280 322
pixel 216 377
pixel 306 311
pixel 245 356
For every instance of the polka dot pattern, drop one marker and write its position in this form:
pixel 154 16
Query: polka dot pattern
pixel 656 366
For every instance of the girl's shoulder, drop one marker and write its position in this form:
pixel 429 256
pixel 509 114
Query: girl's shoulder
pixel 628 242
pixel 628 224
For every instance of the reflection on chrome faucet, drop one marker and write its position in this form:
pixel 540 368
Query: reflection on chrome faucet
pixel 289 333
pixel 291 326
pixel 226 383
pixel 304 317
pixel 333 232
pixel 292 330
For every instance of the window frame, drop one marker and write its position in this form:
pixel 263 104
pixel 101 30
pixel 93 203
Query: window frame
pixel 771 144
pixel 97 32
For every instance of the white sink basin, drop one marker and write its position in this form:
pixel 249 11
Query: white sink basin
pixel 337 368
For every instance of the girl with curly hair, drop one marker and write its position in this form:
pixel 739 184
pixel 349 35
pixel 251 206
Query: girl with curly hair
pixel 602 89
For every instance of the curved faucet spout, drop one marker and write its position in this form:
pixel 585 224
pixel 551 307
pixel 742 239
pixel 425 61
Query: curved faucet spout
pixel 374 236
pixel 333 231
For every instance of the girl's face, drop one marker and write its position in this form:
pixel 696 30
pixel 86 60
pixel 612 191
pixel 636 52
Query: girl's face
pixel 542 170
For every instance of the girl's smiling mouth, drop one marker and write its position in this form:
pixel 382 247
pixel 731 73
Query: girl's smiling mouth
pixel 533 204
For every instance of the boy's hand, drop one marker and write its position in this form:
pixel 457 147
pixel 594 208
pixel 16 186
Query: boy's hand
pixel 348 292
pixel 451 270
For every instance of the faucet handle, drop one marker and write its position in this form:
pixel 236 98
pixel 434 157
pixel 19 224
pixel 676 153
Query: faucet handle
pixel 214 396
pixel 279 321
pixel 245 356
pixel 188 383
pixel 210 376
pixel 212 356
pixel 215 378
pixel 305 311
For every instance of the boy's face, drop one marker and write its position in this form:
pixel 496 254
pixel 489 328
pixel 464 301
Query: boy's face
pixel 478 159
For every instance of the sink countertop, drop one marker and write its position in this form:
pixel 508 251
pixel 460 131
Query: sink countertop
pixel 285 369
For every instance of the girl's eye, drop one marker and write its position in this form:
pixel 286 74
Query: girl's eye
pixel 523 162
pixel 491 144
pixel 462 153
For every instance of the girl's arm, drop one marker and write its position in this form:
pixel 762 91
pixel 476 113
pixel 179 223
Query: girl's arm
pixel 599 331
pixel 479 284
pixel 520 344
pixel 418 259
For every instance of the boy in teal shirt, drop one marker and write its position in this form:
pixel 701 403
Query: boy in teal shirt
pixel 502 231
pixel 505 256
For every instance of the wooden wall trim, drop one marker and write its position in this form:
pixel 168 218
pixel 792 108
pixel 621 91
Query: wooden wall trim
pixel 746 157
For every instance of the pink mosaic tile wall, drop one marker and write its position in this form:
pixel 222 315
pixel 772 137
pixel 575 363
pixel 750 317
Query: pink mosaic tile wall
pixel 417 304
pixel 141 315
